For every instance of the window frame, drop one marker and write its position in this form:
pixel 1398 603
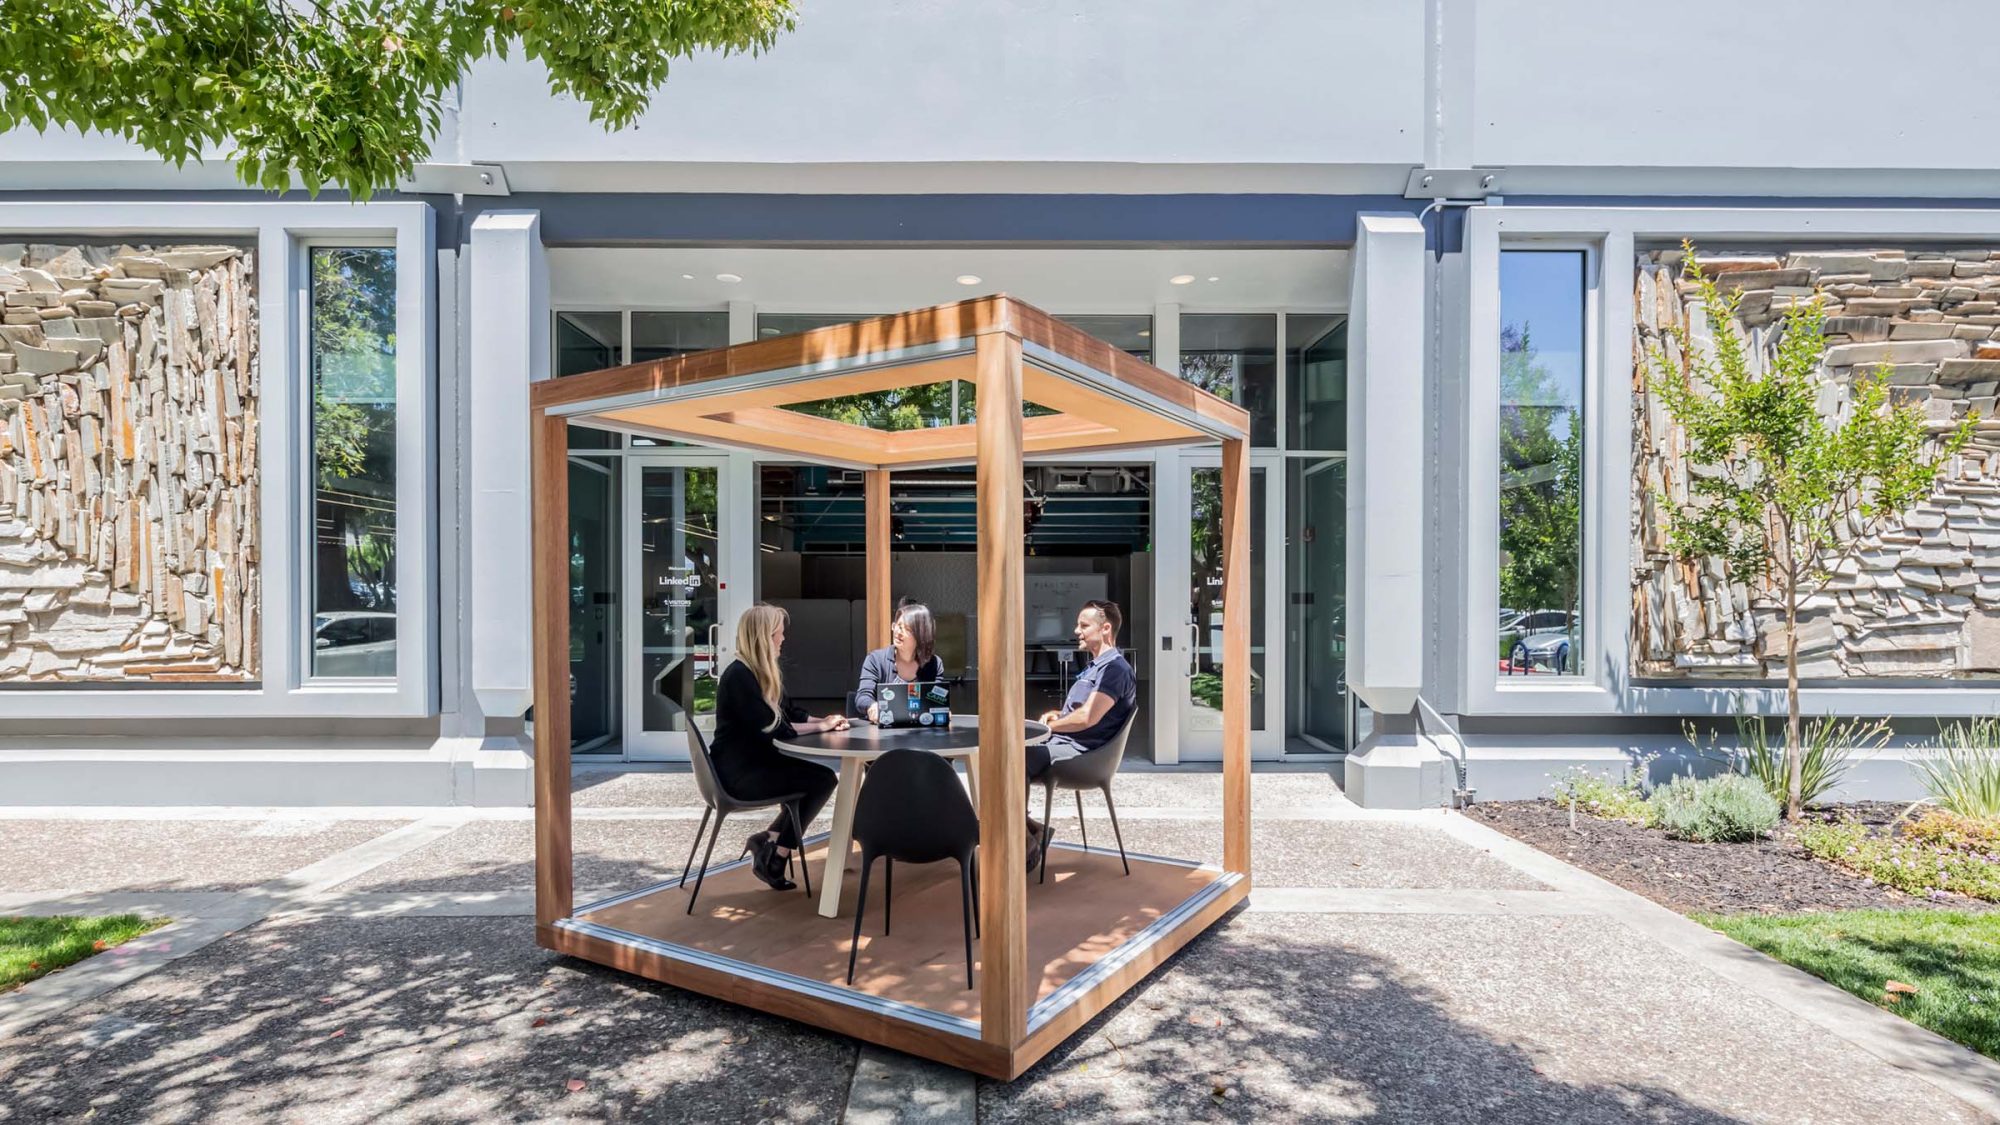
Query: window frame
pixel 280 234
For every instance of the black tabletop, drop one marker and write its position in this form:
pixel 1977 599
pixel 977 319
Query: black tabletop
pixel 865 738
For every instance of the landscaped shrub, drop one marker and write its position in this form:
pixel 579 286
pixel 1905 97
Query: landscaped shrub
pixel 1829 748
pixel 1580 789
pixel 1961 833
pixel 1915 866
pixel 1961 770
pixel 1728 808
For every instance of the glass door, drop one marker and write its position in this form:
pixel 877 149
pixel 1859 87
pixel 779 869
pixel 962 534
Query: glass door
pixel 595 515
pixel 1199 683
pixel 676 561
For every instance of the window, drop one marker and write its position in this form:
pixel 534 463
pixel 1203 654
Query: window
pixel 1316 382
pixel 1130 334
pixel 353 372
pixel 1541 380
pixel 1235 356
pixel 588 341
pixel 660 335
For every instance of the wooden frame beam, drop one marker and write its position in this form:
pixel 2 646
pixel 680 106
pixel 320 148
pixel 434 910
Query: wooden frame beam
pixel 1236 656
pixel 1005 985
pixel 875 491
pixel 554 890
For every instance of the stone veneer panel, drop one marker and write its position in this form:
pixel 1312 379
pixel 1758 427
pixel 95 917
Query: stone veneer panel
pixel 128 463
pixel 1921 596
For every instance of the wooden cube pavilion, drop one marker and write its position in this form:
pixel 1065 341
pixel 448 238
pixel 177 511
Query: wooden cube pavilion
pixel 1042 387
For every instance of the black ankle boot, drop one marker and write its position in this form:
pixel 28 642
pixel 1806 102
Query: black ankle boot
pixel 766 864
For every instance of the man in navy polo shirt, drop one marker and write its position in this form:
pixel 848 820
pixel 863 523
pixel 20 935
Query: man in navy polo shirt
pixel 1102 698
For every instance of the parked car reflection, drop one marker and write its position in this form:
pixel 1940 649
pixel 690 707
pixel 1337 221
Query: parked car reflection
pixel 354 643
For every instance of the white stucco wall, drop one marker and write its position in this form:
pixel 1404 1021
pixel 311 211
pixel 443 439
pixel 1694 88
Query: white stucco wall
pixel 1167 81
pixel 1722 84
pixel 1258 95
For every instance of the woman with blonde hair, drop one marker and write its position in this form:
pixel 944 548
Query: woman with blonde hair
pixel 750 711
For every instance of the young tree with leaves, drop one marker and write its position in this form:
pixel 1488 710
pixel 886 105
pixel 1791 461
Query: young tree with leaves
pixel 336 92
pixel 1793 492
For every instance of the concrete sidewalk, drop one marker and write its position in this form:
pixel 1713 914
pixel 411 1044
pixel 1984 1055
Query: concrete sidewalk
pixel 357 965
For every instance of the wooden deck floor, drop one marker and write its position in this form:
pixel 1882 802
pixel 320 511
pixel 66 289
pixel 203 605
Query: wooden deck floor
pixel 1087 908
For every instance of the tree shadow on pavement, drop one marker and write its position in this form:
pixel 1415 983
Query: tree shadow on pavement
pixel 1260 1026
pixel 413 1019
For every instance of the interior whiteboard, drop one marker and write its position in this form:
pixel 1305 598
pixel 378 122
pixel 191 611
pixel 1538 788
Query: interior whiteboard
pixel 1053 600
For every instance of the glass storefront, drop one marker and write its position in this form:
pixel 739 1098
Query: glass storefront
pixel 1086 519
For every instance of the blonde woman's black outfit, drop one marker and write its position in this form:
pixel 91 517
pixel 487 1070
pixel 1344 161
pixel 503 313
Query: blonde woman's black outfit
pixel 749 763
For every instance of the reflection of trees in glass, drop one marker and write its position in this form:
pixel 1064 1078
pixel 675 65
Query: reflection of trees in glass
pixel 1541 482
pixel 353 369
pixel 1214 372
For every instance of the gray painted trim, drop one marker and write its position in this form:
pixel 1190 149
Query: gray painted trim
pixel 716 219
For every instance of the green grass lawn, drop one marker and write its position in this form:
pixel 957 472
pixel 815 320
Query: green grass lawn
pixel 1952 960
pixel 33 947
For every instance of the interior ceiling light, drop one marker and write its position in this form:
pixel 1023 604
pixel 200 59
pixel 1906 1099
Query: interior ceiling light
pixel 768 332
pixel 968 279
pixel 1180 279
pixel 1215 279
pixel 687 277
pixel 1145 333
pixel 728 278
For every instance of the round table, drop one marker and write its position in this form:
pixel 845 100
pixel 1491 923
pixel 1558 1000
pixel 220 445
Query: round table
pixel 864 742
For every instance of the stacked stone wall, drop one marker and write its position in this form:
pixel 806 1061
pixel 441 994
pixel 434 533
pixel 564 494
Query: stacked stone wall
pixel 128 463
pixel 1919 597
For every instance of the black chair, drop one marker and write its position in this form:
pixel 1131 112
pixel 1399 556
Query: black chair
pixel 1093 770
pixel 912 808
pixel 721 804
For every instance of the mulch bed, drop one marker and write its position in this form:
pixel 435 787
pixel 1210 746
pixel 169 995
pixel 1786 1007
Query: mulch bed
pixel 1770 876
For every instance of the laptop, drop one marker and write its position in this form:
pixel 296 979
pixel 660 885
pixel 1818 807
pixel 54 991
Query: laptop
pixel 910 705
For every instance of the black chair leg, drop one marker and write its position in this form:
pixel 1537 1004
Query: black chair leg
pixel 799 833
pixel 888 891
pixel 1082 829
pixel 1114 829
pixel 694 845
pixel 860 905
pixel 975 894
pixel 965 903
pixel 1048 830
pixel 703 873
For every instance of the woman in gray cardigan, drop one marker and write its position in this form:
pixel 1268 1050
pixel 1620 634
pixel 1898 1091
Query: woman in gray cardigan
pixel 910 658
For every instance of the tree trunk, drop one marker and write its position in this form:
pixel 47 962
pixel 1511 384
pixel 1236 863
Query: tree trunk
pixel 1794 748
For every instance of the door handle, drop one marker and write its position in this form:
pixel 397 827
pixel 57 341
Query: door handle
pixel 1194 648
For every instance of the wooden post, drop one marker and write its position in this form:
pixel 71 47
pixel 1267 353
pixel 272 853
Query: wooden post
pixel 875 487
pixel 554 891
pixel 1236 656
pixel 1006 982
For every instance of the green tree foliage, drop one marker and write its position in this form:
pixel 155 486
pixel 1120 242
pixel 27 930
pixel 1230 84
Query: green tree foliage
pixel 1541 482
pixel 336 92
pixel 1777 489
pixel 353 332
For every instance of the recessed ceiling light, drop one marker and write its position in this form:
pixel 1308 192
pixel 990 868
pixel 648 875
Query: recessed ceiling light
pixel 1180 279
pixel 687 277
pixel 968 279
pixel 1145 333
pixel 728 278
pixel 1215 279
pixel 768 332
